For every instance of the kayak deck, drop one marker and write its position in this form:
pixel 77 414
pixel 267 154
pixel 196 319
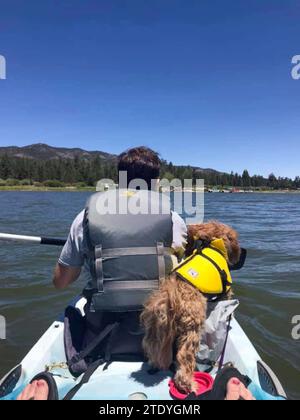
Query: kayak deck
pixel 122 380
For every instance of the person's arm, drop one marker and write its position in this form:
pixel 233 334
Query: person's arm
pixel 64 276
pixel 71 260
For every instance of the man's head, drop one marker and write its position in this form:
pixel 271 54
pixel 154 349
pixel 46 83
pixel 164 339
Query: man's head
pixel 140 163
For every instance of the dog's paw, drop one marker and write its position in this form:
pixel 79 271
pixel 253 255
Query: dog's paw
pixel 185 383
pixel 194 387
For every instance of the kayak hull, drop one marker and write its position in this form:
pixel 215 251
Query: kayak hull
pixel 125 380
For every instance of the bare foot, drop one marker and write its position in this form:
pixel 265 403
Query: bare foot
pixel 37 391
pixel 236 390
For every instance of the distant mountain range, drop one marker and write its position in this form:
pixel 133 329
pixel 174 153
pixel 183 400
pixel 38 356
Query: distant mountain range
pixel 41 151
pixel 44 163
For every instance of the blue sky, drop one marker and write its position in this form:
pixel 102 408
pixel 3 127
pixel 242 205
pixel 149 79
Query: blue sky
pixel 205 83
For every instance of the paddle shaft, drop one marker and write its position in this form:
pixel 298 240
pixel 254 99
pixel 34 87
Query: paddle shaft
pixel 61 242
pixel 32 239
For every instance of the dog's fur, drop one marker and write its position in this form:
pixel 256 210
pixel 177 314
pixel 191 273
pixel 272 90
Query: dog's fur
pixel 174 316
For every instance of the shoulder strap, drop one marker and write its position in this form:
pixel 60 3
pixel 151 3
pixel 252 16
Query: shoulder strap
pixel 222 273
pixel 93 344
pixel 84 380
pixel 222 358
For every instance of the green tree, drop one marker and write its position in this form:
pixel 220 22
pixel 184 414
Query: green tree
pixel 272 181
pixel 246 179
pixel 5 167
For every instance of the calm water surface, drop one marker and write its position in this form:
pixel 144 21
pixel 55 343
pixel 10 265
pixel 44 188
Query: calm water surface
pixel 268 287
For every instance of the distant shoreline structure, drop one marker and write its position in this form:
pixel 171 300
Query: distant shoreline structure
pixel 32 188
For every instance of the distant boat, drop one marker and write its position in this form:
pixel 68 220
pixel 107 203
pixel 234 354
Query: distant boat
pixel 237 191
pixel 213 191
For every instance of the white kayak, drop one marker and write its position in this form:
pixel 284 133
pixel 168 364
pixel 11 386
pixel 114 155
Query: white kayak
pixel 126 380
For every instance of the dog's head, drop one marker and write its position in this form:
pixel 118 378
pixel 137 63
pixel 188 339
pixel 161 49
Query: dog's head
pixel 215 230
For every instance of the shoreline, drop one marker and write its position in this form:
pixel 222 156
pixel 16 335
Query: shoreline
pixel 46 189
pixel 92 189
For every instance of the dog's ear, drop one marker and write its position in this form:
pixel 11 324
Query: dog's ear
pixel 233 247
pixel 196 232
pixel 190 240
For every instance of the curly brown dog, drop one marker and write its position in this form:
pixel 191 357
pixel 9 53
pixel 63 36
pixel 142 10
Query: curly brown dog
pixel 174 316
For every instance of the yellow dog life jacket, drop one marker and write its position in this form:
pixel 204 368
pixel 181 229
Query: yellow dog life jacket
pixel 207 269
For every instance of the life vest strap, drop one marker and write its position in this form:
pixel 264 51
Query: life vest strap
pixel 204 244
pixel 114 285
pixel 135 251
pixel 222 273
pixel 100 254
pixel 191 275
pixel 93 344
pixel 99 268
pixel 161 261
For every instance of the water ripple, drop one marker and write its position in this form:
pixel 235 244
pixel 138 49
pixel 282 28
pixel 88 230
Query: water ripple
pixel 268 287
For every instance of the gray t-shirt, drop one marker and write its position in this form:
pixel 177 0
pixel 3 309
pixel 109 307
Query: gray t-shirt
pixel 75 249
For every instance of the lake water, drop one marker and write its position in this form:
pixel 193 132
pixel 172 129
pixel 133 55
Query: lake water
pixel 268 287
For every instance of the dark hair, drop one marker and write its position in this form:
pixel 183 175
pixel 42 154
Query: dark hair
pixel 140 162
